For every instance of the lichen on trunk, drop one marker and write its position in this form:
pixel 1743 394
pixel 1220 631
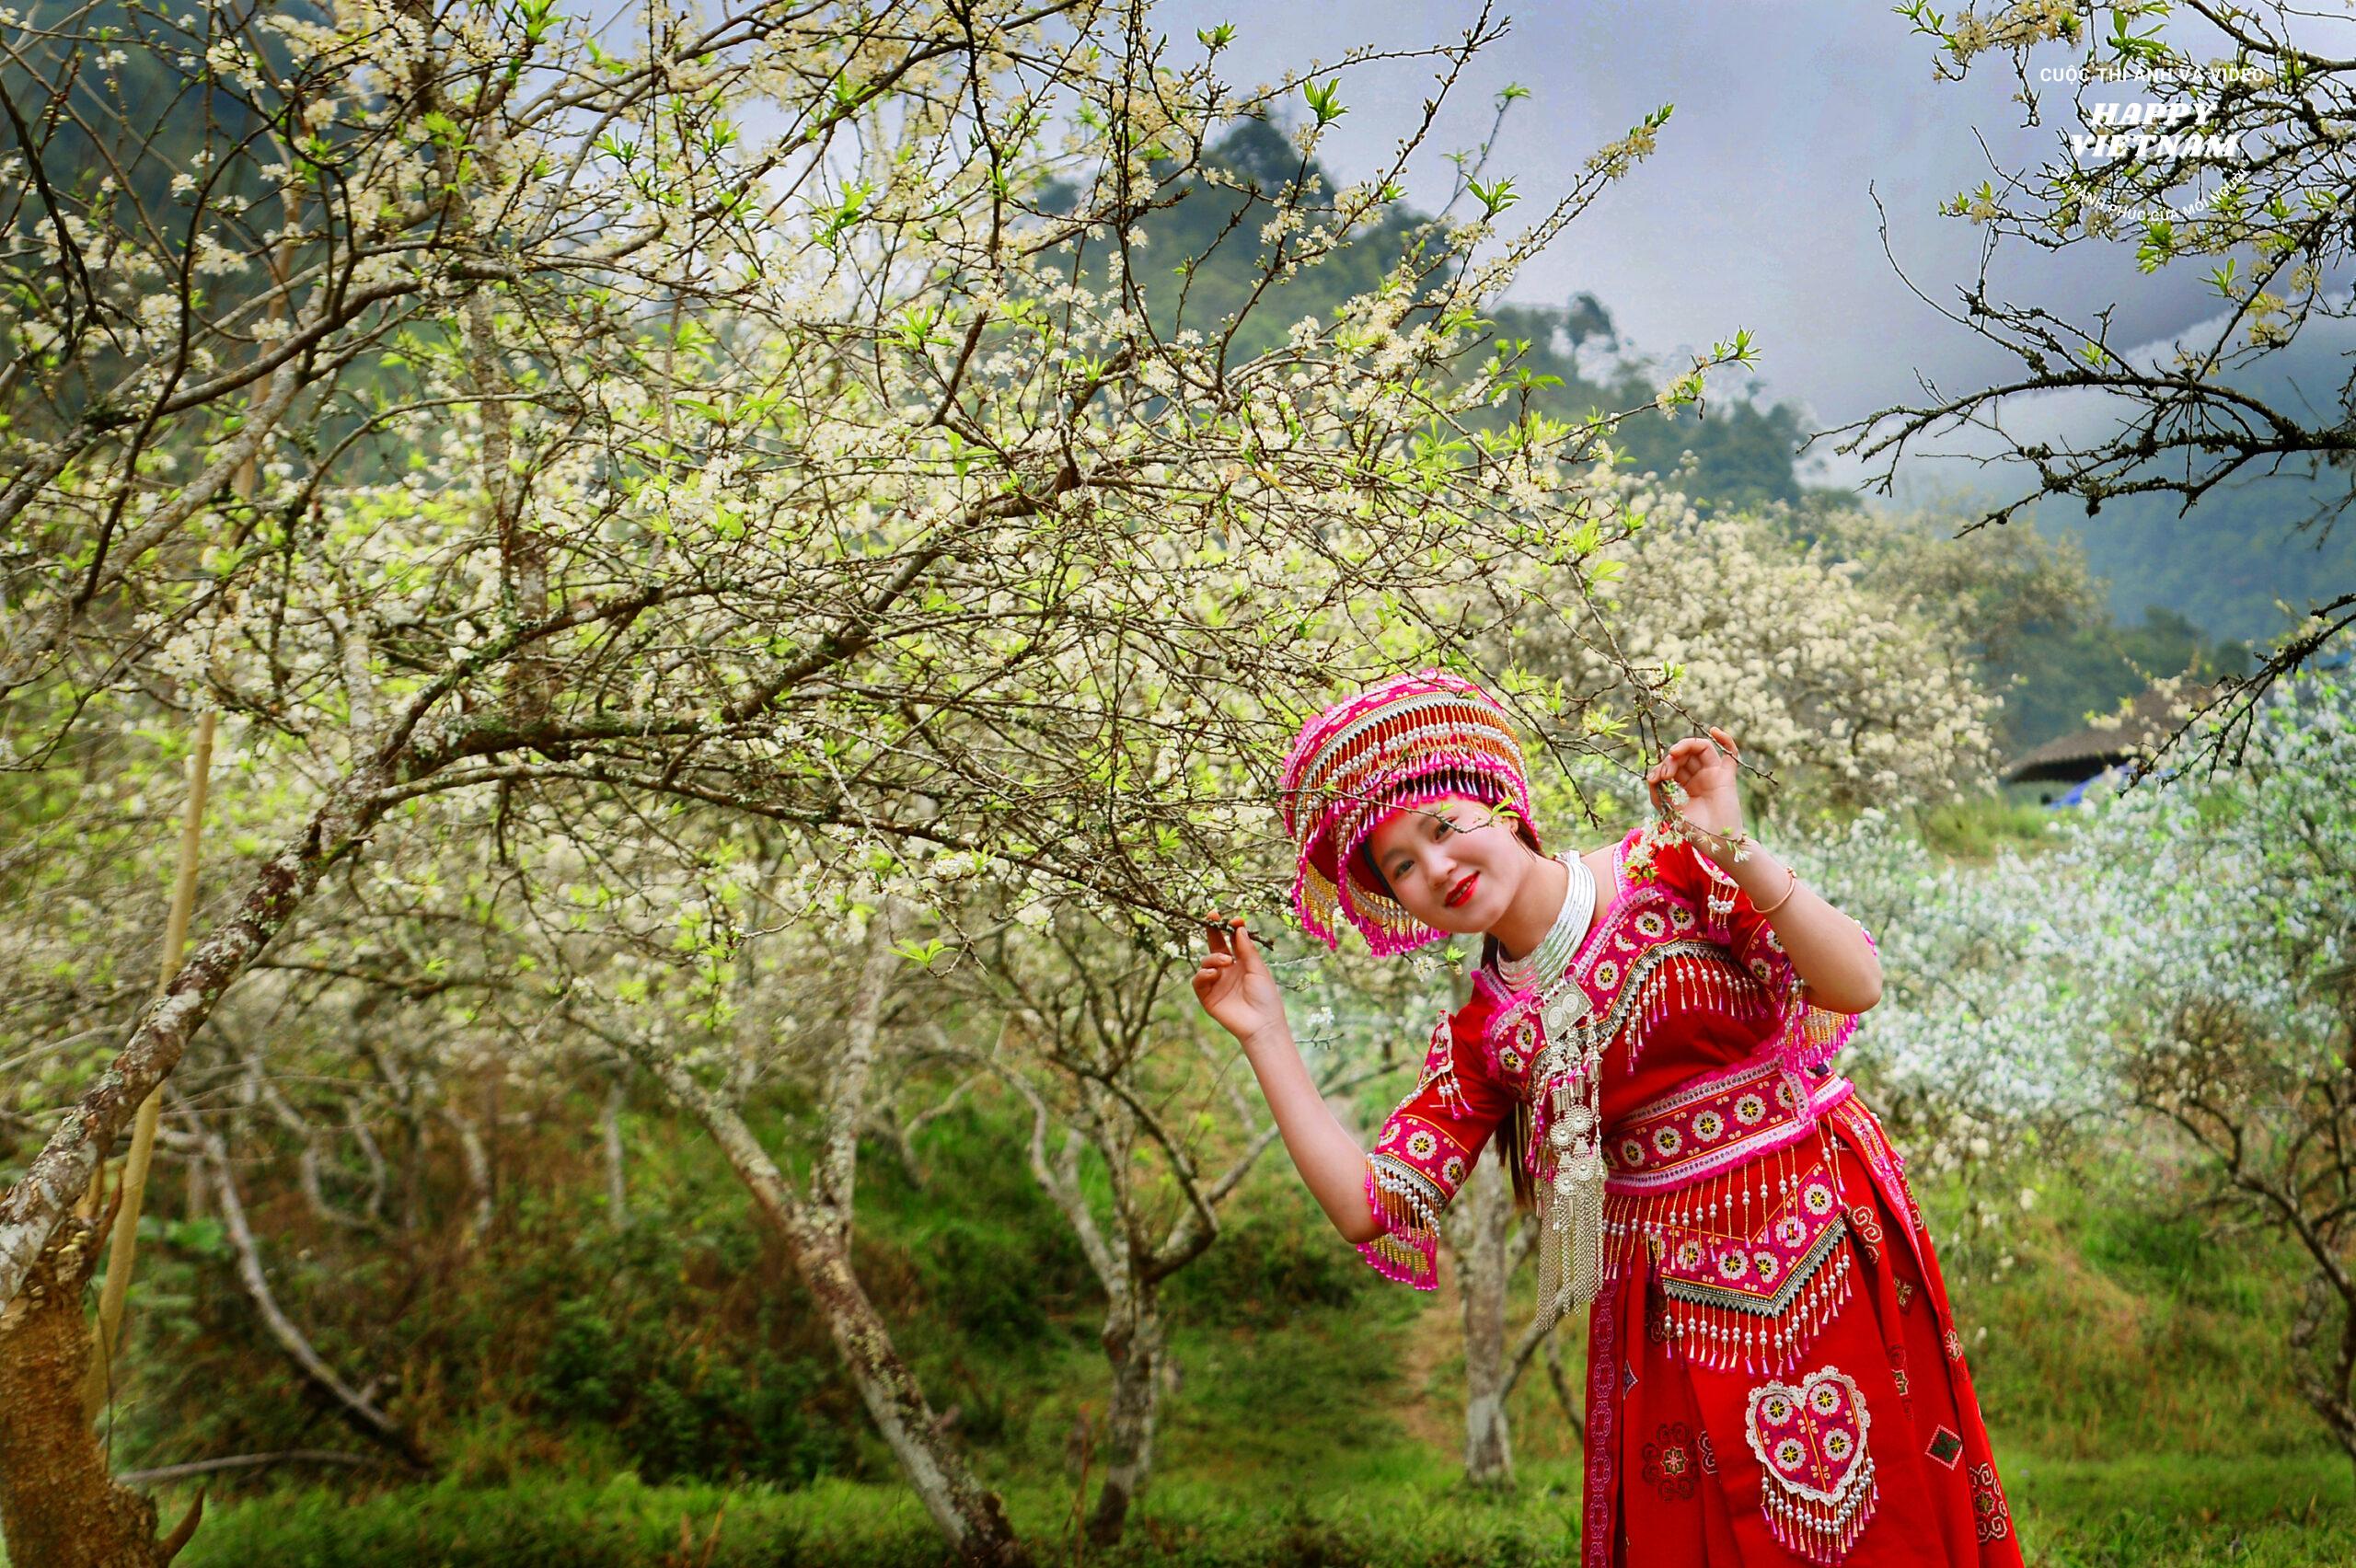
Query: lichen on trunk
pixel 59 1506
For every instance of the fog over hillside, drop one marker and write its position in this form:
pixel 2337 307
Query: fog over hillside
pixel 1798 133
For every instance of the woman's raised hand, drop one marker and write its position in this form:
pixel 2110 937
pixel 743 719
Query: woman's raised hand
pixel 1704 770
pixel 1234 984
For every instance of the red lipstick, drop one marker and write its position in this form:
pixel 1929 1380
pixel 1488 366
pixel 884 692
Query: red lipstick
pixel 1463 890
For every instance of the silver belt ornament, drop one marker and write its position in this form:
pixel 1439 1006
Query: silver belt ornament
pixel 1570 1250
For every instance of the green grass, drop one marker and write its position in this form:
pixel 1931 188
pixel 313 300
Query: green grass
pixel 2171 1509
pixel 2142 1511
pixel 2126 1328
pixel 1974 828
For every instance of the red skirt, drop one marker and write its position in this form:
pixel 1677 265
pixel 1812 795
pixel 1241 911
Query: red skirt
pixel 1774 1375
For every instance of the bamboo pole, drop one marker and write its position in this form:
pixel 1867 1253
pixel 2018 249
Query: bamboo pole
pixel 124 1241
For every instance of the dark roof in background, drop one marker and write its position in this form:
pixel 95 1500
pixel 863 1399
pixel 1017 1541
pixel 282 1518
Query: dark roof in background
pixel 2090 751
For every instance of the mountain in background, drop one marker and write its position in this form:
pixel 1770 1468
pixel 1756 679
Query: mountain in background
pixel 2265 534
pixel 2225 562
pixel 1737 454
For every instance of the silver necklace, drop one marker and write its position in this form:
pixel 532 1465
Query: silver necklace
pixel 1568 1077
pixel 1546 962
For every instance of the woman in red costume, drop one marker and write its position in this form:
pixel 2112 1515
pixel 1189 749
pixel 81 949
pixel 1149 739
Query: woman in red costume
pixel 1773 1373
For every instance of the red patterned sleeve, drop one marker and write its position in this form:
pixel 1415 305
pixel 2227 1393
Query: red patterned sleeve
pixel 1805 1036
pixel 1425 1149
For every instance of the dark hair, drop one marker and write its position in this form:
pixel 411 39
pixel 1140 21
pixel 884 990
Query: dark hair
pixel 1513 1132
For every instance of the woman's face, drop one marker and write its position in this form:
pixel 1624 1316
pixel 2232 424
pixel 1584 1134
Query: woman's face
pixel 1454 862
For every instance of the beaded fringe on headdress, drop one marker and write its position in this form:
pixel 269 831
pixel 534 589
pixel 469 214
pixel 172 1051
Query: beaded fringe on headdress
pixel 1402 741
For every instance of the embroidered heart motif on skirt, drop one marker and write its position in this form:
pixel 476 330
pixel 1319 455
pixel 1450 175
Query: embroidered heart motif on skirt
pixel 1810 1439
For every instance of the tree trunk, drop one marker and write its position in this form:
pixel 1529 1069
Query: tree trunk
pixel 1563 1395
pixel 968 1514
pixel 1133 1342
pixel 59 1508
pixel 2327 1304
pixel 353 1404
pixel 480 1209
pixel 817 1234
pixel 1130 1264
pixel 609 1130
pixel 1484 1265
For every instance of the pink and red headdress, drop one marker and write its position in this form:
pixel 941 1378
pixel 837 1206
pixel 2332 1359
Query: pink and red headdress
pixel 1399 743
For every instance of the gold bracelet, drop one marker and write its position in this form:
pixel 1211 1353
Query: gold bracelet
pixel 1789 888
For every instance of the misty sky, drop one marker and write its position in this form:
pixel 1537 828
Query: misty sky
pixel 1755 211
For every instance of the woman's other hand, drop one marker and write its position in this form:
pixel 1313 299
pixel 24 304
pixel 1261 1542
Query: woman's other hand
pixel 1234 984
pixel 1704 770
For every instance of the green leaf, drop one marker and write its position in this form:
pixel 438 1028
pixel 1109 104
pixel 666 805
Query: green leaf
pixel 1325 102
